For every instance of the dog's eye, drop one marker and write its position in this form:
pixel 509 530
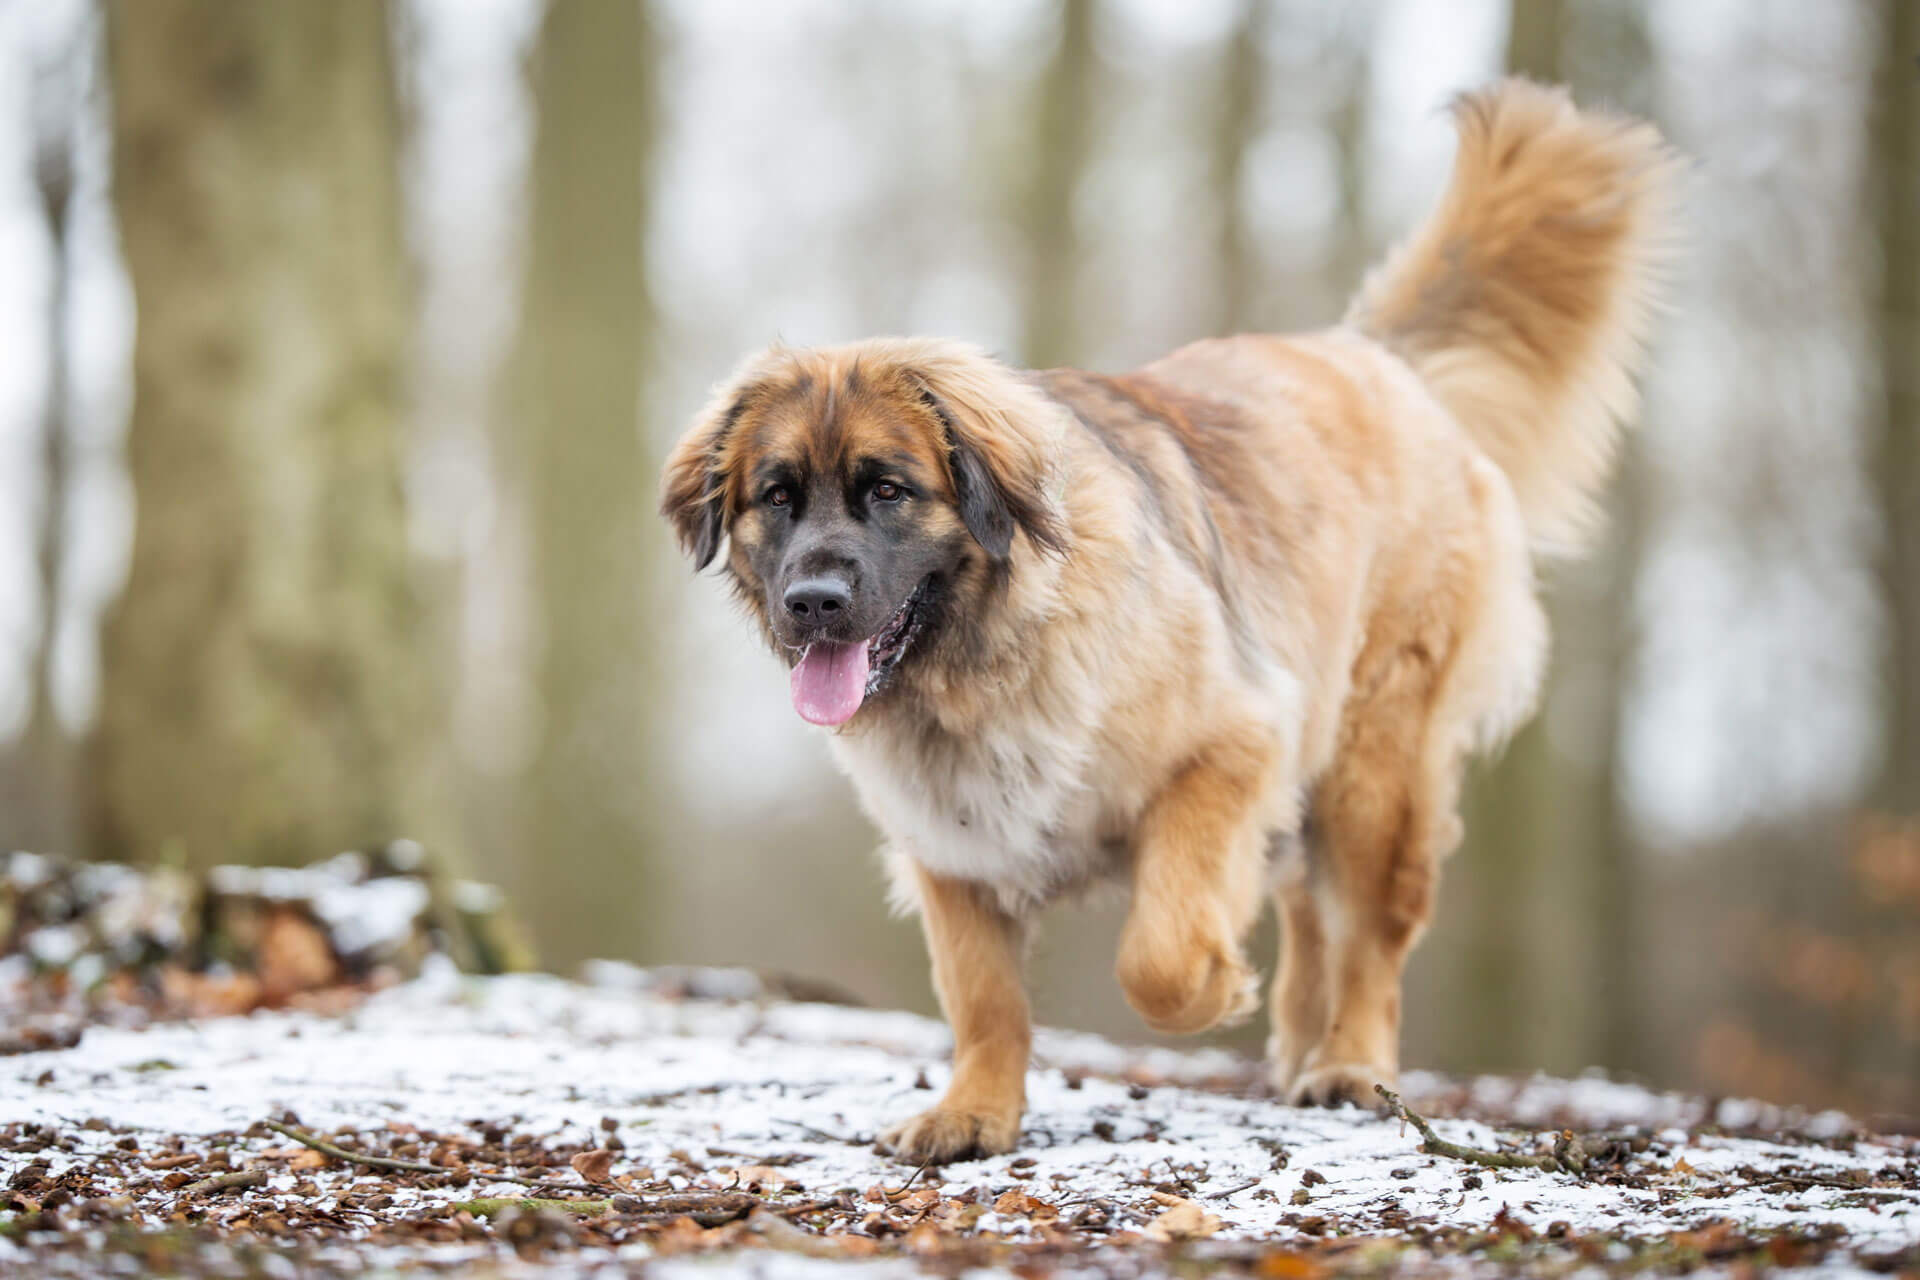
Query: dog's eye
pixel 886 491
pixel 778 496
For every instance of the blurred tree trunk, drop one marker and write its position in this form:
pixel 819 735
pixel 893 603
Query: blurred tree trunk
pixel 1594 925
pixel 1535 34
pixel 44 820
pixel 1233 136
pixel 1352 249
pixel 258 675
pixel 582 349
pixel 1553 978
pixel 1587 927
pixel 1051 335
pixel 1511 832
pixel 1897 163
pixel 1595 618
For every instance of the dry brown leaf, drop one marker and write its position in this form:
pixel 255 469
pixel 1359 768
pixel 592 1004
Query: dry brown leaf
pixel 682 1235
pixel 593 1165
pixel 1018 1202
pixel 294 955
pixel 308 1158
pixel 958 1215
pixel 1284 1265
pixel 1184 1220
pixel 183 1160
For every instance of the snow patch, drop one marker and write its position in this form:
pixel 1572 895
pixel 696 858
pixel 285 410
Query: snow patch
pixel 818 1082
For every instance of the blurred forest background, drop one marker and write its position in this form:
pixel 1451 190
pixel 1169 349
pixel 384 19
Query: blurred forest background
pixel 339 344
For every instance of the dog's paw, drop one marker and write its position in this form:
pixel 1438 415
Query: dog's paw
pixel 1338 1082
pixel 1185 990
pixel 943 1135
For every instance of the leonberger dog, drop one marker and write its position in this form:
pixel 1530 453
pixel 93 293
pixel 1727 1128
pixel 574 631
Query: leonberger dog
pixel 1222 627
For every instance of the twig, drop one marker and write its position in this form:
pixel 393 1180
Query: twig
pixel 1808 1182
pixel 226 1182
pixel 388 1162
pixel 1435 1145
pixel 351 1157
pixel 820 1135
pixel 1233 1191
pixel 175 1162
pixel 1090 1198
pixel 771 1162
pixel 709 1210
pixel 784 1208
pixel 894 1197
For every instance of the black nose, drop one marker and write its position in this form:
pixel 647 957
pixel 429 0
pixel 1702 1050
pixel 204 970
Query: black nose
pixel 818 599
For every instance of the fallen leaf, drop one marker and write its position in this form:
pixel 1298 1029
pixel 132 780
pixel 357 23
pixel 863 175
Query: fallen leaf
pixel 1018 1202
pixel 1184 1220
pixel 1284 1265
pixel 682 1235
pixel 914 1201
pixel 958 1215
pixel 294 955
pixel 593 1165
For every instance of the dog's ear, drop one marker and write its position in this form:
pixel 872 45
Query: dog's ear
pixel 693 488
pixel 1000 473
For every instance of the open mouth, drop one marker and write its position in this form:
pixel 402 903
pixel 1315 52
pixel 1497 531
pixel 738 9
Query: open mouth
pixel 892 641
pixel 832 679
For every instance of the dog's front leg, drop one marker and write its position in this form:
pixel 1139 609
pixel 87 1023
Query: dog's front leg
pixel 976 969
pixel 1198 864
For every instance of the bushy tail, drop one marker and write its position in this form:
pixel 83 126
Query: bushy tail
pixel 1524 299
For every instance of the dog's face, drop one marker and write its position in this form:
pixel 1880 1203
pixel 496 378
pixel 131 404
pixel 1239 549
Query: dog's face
pixel 863 508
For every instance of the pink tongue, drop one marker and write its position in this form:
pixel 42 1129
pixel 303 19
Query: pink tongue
pixel 830 682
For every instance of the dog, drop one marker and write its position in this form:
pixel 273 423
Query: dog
pixel 1222 628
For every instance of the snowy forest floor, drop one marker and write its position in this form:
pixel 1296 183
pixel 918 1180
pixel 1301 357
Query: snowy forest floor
pixel 690 1124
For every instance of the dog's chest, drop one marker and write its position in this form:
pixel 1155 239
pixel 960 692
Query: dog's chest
pixel 1013 806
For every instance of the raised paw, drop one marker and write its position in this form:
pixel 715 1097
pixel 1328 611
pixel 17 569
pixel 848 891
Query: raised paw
pixel 943 1135
pixel 1182 988
pixel 1338 1082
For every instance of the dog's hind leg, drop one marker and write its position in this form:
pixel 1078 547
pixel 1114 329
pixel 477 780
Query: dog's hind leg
pixel 1450 671
pixel 1298 1009
pixel 1197 869
pixel 1386 816
pixel 976 949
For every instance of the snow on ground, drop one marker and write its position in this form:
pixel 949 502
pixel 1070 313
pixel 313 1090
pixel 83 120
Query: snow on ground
pixel 701 1094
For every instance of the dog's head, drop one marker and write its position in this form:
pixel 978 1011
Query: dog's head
pixel 869 495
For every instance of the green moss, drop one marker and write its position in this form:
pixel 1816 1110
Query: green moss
pixel 487 1208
